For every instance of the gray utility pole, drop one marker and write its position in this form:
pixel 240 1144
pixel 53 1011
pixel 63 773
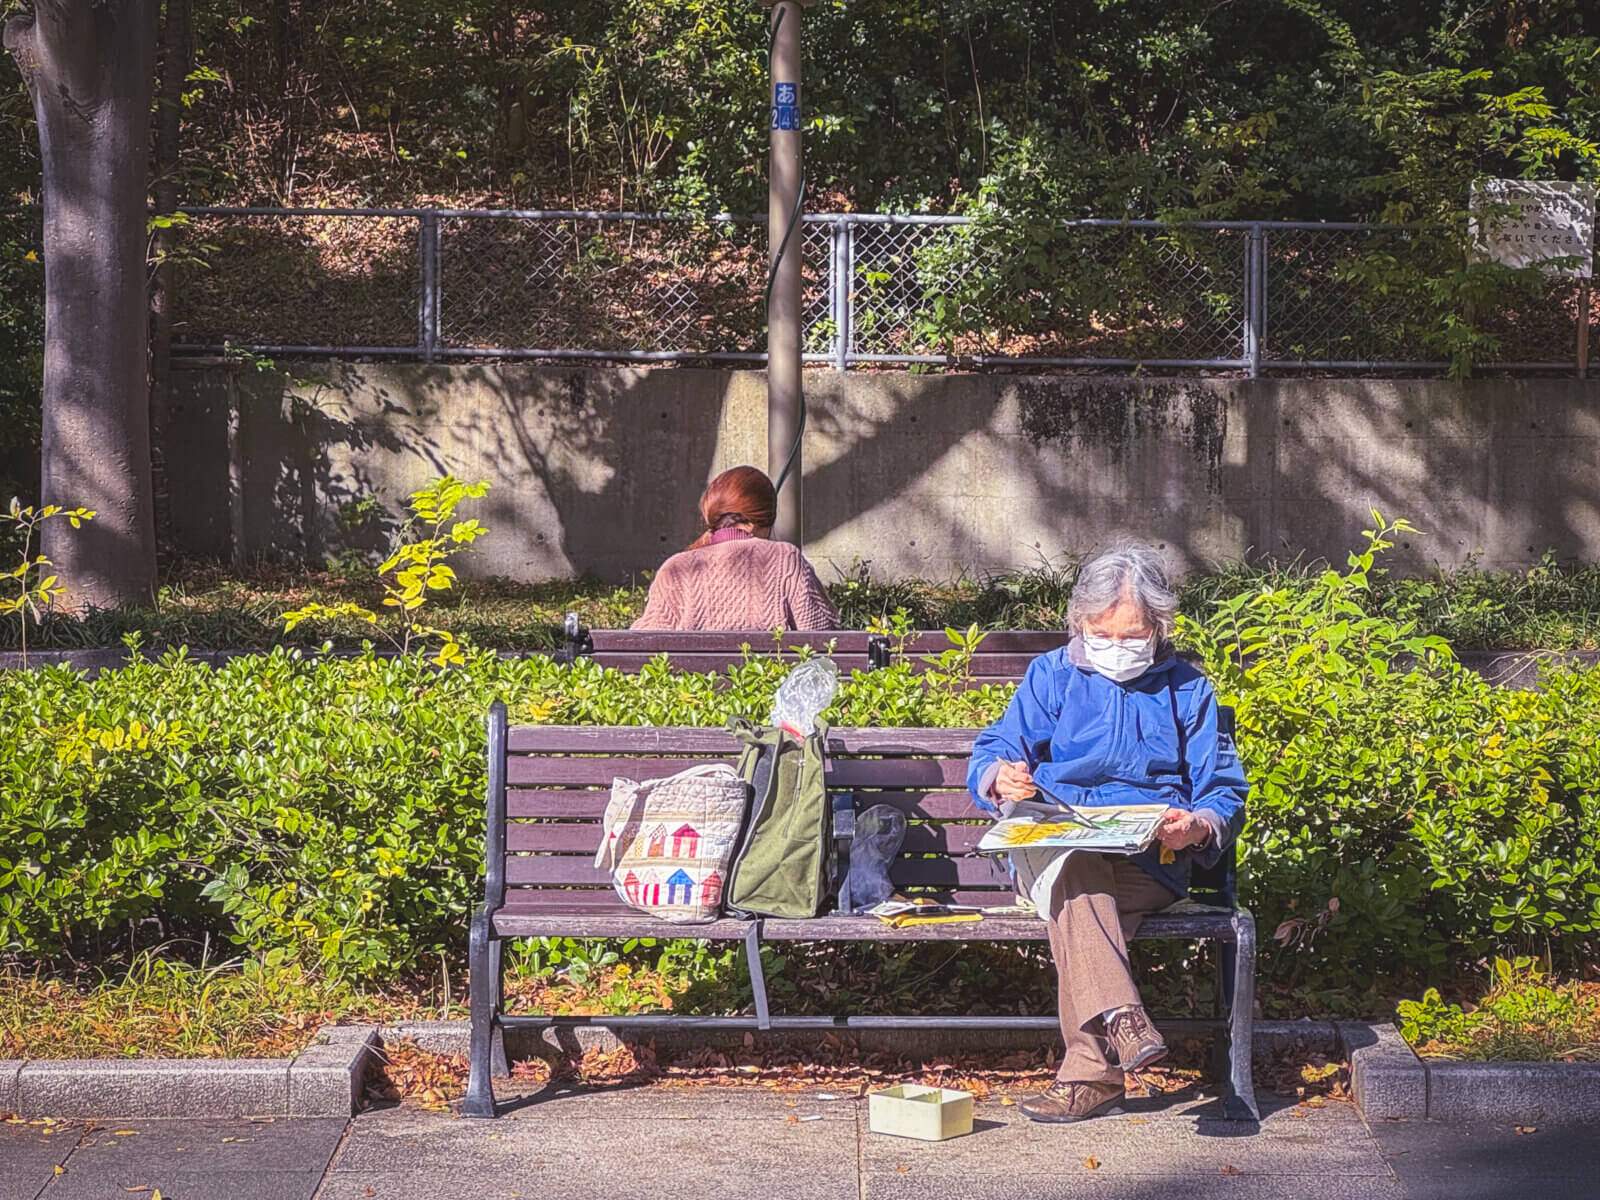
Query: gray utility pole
pixel 784 404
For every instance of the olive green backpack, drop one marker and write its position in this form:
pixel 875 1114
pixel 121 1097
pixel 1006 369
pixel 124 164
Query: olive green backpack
pixel 784 865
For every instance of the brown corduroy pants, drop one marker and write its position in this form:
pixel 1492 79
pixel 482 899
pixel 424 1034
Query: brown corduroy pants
pixel 1098 903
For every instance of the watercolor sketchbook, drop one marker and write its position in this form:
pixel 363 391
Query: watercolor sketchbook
pixel 1114 828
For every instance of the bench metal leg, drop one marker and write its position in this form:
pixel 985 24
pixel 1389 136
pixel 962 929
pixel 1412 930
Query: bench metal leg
pixel 499 1065
pixel 758 978
pixel 1239 984
pixel 479 1101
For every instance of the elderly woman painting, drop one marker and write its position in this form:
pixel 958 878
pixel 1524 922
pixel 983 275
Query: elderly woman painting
pixel 1114 718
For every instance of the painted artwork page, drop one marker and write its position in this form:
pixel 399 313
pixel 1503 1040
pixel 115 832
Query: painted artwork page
pixel 1121 828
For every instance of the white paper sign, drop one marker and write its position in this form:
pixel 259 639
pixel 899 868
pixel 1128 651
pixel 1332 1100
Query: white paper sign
pixel 1527 223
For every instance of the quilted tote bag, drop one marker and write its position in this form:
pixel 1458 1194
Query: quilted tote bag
pixel 667 842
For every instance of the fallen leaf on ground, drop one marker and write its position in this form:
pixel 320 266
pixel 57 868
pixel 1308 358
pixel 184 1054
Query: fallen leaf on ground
pixel 1092 1163
pixel 1138 1120
pixel 132 1133
pixel 1229 1169
pixel 1527 1129
pixel 902 1168
pixel 60 1170
pixel 792 1119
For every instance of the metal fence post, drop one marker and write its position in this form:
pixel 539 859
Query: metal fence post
pixel 836 288
pixel 1255 298
pixel 428 300
pixel 847 291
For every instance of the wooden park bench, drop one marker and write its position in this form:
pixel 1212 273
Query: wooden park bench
pixel 1001 657
pixel 547 792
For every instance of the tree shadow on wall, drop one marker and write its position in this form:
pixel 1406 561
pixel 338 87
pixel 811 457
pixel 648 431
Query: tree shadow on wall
pixel 599 470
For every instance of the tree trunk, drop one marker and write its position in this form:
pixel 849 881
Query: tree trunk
pixel 89 67
pixel 175 57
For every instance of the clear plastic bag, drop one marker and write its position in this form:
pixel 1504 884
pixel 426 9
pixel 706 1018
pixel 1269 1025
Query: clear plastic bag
pixel 803 696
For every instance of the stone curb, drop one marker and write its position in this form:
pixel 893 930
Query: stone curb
pixel 1524 1093
pixel 1390 1081
pixel 1387 1079
pixel 10 1068
pixel 323 1080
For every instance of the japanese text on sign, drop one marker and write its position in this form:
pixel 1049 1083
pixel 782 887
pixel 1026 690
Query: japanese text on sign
pixel 786 106
pixel 1527 223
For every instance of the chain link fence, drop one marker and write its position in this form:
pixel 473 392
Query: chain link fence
pixel 443 284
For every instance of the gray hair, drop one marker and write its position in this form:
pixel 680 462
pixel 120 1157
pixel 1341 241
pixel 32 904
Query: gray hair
pixel 1129 569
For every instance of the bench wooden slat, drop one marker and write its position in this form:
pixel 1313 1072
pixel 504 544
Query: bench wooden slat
pixel 917 803
pixel 589 899
pixel 1215 924
pixel 927 837
pixel 546 870
pixel 570 837
pixel 597 898
pixel 1007 667
pixel 679 739
pixel 712 640
pixel 1010 667
pixel 561 869
pixel 591 805
pixel 603 739
pixel 553 923
pixel 523 770
pixel 847 773
pixel 574 805
pixel 554 837
pixel 869 929
pixel 713 662
pixel 923 641
pixel 1032 642
pixel 946 872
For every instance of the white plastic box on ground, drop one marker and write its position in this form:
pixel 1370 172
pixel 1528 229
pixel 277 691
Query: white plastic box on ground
pixel 911 1110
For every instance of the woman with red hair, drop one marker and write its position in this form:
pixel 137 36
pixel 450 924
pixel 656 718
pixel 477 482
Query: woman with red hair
pixel 733 576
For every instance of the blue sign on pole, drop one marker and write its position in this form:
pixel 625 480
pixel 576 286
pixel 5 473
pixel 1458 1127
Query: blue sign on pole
pixel 786 106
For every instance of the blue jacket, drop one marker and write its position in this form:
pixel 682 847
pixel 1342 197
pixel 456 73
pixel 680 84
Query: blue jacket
pixel 1094 741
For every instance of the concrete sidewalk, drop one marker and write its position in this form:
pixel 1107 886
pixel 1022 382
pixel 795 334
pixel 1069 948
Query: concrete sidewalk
pixel 755 1142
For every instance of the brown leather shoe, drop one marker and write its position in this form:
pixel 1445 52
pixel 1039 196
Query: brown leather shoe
pixel 1061 1103
pixel 1134 1039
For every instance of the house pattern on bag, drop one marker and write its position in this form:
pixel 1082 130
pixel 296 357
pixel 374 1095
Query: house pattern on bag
pixel 651 889
pixel 673 882
pixel 685 842
pixel 655 842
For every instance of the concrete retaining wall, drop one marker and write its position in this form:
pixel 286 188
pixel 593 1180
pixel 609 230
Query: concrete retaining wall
pixel 599 469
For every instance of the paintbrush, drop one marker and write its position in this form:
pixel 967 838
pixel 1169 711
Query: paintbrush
pixel 1072 814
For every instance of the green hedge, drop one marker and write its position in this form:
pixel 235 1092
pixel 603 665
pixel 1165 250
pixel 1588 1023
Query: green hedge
pixel 1403 818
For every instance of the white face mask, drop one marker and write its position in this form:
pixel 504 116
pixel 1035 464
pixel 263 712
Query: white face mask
pixel 1120 659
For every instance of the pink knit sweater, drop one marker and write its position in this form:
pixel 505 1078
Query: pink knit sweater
pixel 750 583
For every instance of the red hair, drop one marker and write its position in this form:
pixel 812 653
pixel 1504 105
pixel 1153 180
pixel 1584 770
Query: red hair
pixel 741 496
